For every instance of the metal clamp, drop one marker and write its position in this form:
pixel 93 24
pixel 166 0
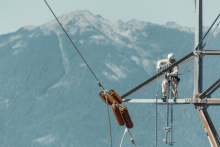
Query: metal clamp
pixel 197 53
pixel 198 100
pixel 167 129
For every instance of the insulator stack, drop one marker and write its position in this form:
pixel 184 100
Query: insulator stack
pixel 102 96
pixel 115 96
pixel 126 117
pixel 118 115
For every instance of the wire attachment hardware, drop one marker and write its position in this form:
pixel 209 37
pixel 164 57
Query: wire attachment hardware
pixel 100 85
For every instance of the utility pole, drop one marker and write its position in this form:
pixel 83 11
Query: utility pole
pixel 198 77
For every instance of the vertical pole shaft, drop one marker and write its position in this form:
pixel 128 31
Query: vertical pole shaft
pixel 198 74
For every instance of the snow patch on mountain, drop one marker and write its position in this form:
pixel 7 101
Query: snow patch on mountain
pixel 118 71
pixel 18 47
pixel 216 32
pixel 82 64
pixel 64 56
pixel 97 37
pixel 46 139
pixel 136 59
pixel 4 102
pixel 111 77
pixel 19 44
pixel 12 38
pixel 145 63
pixel 30 27
pixel 172 24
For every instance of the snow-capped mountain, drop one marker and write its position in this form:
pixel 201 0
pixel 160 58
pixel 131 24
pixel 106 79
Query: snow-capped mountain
pixel 48 96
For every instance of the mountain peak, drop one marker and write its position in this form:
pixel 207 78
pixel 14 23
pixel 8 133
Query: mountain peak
pixel 171 24
pixel 30 27
pixel 174 25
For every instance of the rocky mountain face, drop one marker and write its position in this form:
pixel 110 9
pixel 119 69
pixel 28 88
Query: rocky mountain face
pixel 48 96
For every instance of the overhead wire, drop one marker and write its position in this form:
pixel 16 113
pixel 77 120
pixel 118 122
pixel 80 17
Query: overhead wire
pixel 211 34
pixel 126 130
pixel 132 139
pixel 168 90
pixel 207 32
pixel 171 125
pixel 186 71
pixel 74 44
pixel 109 120
pixel 100 85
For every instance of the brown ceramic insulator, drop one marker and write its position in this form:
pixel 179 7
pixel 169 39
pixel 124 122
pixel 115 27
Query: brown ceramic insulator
pixel 126 116
pixel 118 115
pixel 102 96
pixel 115 96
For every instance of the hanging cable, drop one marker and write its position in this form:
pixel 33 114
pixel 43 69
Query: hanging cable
pixel 186 71
pixel 171 125
pixel 167 97
pixel 75 47
pixel 108 115
pixel 100 85
pixel 156 114
pixel 126 130
pixel 132 139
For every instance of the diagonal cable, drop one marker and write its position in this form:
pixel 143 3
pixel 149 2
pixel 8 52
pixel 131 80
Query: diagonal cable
pixel 85 63
pixel 74 45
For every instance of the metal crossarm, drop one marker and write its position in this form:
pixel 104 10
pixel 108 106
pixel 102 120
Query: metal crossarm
pixel 210 52
pixel 158 75
pixel 208 101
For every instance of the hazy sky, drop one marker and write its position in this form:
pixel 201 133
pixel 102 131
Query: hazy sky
pixel 15 14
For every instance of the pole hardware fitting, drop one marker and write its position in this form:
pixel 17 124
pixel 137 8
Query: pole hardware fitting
pixel 132 140
pixel 199 101
pixel 100 85
pixel 188 100
pixel 171 143
pixel 167 129
pixel 200 106
pixel 105 92
pixel 197 53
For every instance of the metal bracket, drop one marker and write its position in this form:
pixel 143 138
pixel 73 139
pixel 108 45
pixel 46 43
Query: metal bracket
pixel 188 100
pixel 201 107
pixel 167 129
pixel 199 101
pixel 100 85
pixel 197 53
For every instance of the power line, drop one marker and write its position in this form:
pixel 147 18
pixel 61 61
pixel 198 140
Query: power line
pixel 86 64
